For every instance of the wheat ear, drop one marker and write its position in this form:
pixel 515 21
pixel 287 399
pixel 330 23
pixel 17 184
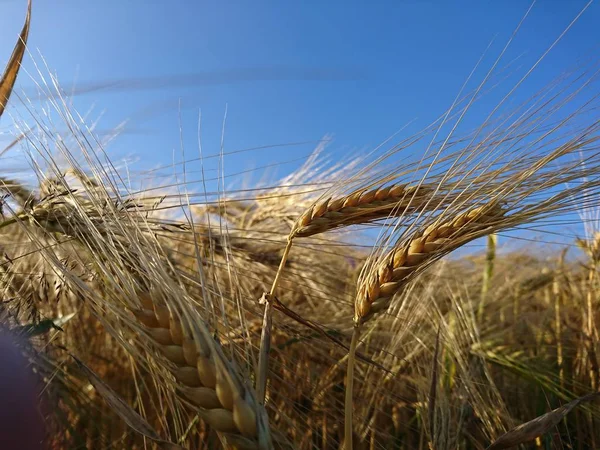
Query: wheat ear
pixel 391 274
pixel 205 377
pixel 360 206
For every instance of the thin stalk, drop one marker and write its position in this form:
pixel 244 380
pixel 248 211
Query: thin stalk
pixel 265 336
pixel 284 258
pixel 433 389
pixel 10 221
pixel 592 335
pixel 488 271
pixel 265 350
pixel 590 323
pixel 556 292
pixel 349 404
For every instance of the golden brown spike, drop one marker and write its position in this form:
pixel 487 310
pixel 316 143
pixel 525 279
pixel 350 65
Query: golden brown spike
pixel 396 267
pixel 359 207
pixel 225 404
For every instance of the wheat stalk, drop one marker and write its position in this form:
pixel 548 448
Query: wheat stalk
pixel 204 376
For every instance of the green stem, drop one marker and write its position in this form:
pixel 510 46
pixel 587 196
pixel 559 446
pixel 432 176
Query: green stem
pixel 8 222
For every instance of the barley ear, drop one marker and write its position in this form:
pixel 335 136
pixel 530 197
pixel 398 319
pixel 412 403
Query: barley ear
pixel 361 206
pixel 204 375
pixel 390 274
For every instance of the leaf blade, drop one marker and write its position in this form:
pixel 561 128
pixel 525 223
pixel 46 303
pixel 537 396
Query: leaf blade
pixel 539 426
pixel 11 71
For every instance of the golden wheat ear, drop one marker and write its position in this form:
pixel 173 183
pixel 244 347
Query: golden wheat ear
pixel 361 206
pixel 391 274
pixel 9 76
pixel 205 377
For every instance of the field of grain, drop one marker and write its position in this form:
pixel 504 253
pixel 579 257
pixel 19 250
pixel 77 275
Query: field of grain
pixel 442 301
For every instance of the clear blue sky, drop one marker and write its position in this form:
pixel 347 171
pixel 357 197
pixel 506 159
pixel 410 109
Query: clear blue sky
pixel 288 71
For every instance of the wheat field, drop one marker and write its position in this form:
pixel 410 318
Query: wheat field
pixel 431 295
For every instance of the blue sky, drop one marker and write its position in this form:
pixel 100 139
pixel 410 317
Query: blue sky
pixel 287 71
